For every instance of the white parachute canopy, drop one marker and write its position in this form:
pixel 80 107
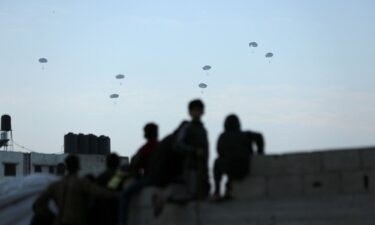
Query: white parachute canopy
pixel 269 55
pixel 43 60
pixel 206 67
pixel 203 85
pixel 114 96
pixel 253 44
pixel 120 76
pixel 17 195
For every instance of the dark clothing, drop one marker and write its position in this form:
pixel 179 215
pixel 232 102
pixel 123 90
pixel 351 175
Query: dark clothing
pixel 235 149
pixel 166 164
pixel 71 195
pixel 105 177
pixel 141 166
pixel 104 211
pixel 141 160
pixel 192 143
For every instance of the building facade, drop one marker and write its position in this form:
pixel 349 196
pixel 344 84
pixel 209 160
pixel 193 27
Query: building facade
pixel 18 164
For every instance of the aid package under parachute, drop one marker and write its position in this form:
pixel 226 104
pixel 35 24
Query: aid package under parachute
pixel 17 196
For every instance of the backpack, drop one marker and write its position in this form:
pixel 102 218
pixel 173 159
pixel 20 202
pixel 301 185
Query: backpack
pixel 166 165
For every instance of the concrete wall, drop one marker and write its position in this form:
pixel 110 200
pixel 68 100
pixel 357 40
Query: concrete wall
pixel 335 187
pixel 308 174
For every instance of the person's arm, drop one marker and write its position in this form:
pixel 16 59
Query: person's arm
pixel 259 141
pixel 97 191
pixel 41 203
pixel 220 149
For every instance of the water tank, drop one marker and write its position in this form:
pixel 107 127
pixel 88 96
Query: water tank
pixel 83 144
pixel 93 144
pixel 104 145
pixel 6 123
pixel 70 143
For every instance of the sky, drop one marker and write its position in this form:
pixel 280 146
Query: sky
pixel 315 93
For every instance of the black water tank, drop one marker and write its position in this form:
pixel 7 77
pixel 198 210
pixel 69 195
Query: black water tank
pixel 6 123
pixel 93 144
pixel 70 143
pixel 83 144
pixel 104 145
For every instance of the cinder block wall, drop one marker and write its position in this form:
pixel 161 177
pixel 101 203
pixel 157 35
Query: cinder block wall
pixel 331 172
pixel 335 187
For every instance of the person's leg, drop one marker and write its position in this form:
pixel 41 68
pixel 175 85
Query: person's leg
pixel 218 174
pixel 228 188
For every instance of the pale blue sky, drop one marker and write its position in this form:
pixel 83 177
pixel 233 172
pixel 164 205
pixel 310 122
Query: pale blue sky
pixel 316 93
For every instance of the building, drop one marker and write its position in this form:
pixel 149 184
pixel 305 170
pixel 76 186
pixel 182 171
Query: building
pixel 18 164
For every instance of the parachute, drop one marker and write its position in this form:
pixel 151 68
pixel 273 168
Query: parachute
pixel 120 77
pixel 206 67
pixel 203 85
pixel 114 96
pixel 43 60
pixel 269 55
pixel 17 195
pixel 253 45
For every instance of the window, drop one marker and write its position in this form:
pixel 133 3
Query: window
pixel 10 169
pixel 51 169
pixel 37 168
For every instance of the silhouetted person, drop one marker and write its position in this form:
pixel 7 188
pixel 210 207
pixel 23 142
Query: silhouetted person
pixel 141 160
pixel 140 167
pixel 60 169
pixel 112 164
pixel 234 149
pixel 192 142
pixel 191 145
pixel 71 195
pixel 105 210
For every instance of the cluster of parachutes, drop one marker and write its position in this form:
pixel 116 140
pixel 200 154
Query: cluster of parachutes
pixel 206 68
pixel 203 85
pixel 119 77
pixel 252 45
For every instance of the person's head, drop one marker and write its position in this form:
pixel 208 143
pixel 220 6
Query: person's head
pixel 151 131
pixel 60 169
pixel 112 161
pixel 72 164
pixel 196 109
pixel 232 123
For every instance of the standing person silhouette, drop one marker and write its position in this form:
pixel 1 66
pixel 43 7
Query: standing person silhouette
pixel 71 195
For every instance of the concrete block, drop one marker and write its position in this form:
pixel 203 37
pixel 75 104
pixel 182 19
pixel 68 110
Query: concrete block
pixel 284 186
pixel 346 160
pixel 267 165
pixel 371 177
pixel 355 182
pixel 251 187
pixel 322 184
pixel 177 214
pixel 144 198
pixel 302 163
pixel 368 158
